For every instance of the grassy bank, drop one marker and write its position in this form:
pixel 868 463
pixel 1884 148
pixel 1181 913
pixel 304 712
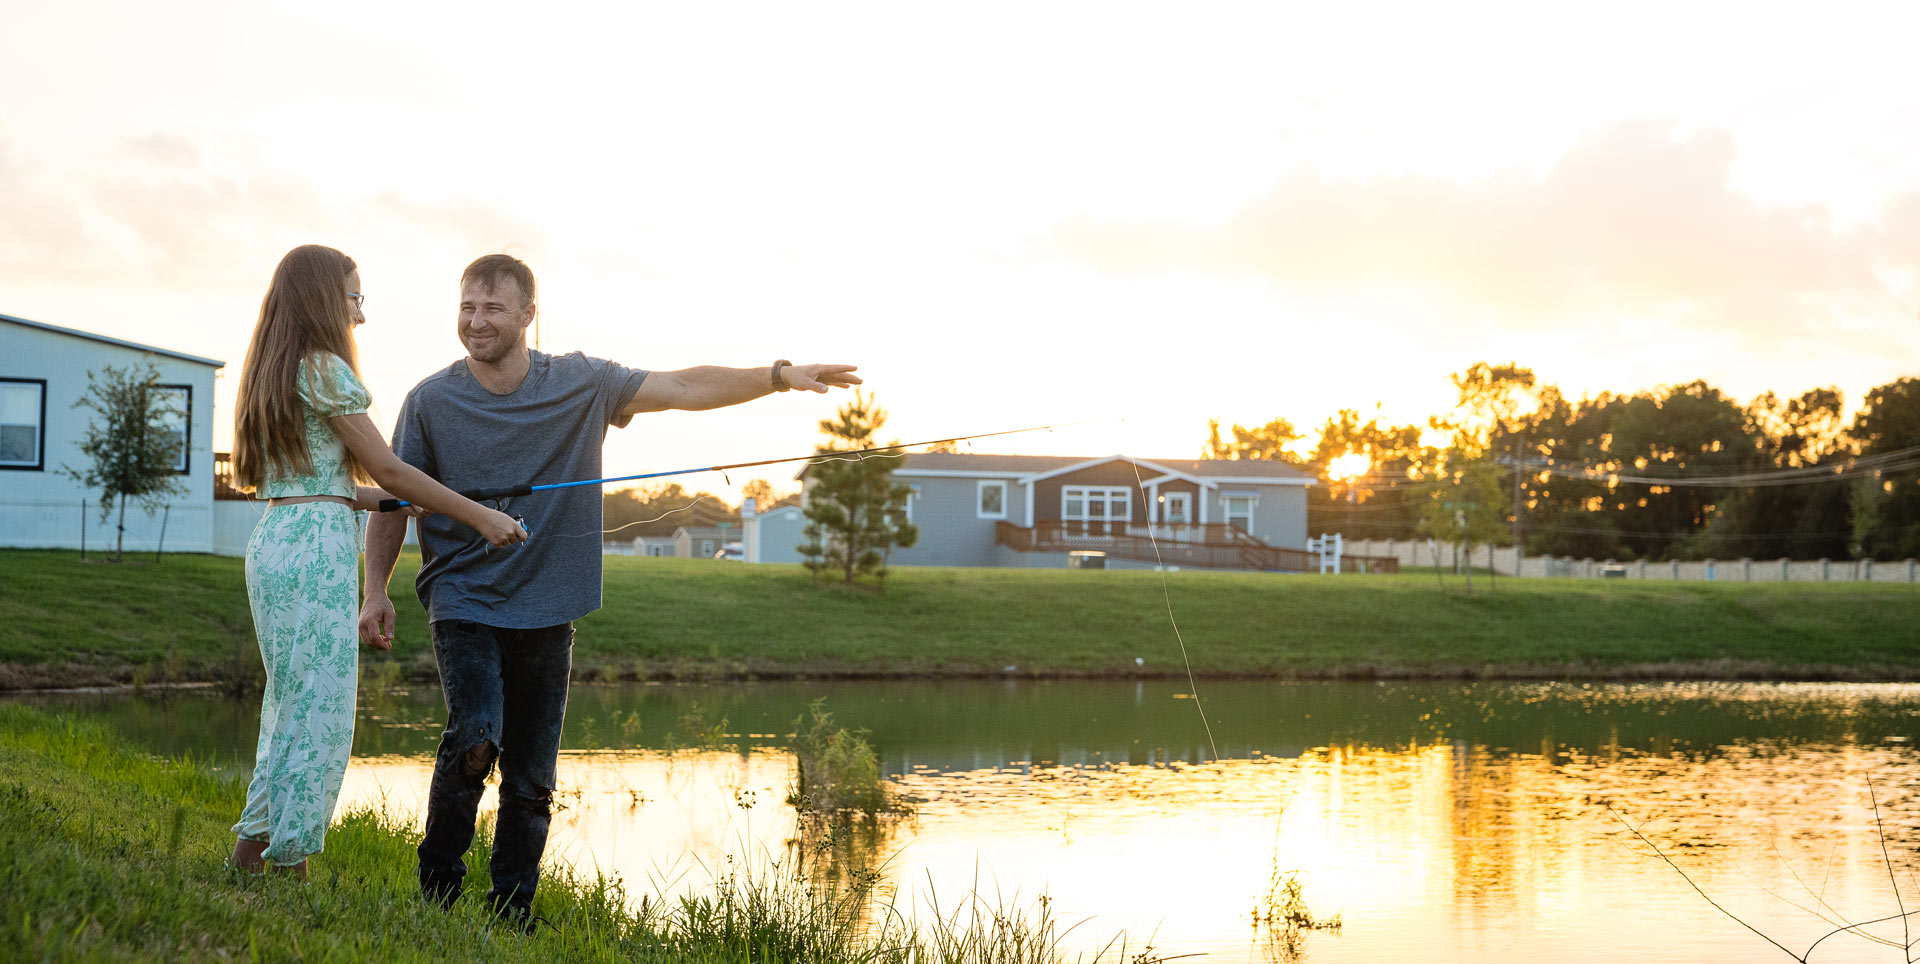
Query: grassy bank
pixel 110 855
pixel 186 618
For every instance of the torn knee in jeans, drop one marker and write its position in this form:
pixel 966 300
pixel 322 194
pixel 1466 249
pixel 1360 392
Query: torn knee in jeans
pixel 529 797
pixel 478 761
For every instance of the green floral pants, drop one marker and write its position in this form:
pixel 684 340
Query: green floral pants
pixel 303 584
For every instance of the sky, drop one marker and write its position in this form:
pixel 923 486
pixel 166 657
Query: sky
pixel 1118 219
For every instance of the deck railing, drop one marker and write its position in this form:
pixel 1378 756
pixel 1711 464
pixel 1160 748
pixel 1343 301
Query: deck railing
pixel 223 479
pixel 1211 546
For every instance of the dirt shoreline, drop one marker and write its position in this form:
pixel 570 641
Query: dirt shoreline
pixel 25 680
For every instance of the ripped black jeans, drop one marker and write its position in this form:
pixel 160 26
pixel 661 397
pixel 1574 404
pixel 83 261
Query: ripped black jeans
pixel 506 692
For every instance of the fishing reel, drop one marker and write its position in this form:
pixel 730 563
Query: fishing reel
pixel 501 505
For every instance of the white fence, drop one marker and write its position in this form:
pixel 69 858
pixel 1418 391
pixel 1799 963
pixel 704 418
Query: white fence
pixel 42 524
pixel 222 527
pixel 1502 561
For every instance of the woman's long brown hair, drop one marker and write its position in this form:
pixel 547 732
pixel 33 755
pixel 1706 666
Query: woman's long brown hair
pixel 305 311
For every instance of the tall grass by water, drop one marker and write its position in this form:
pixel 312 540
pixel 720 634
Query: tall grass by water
pixel 185 618
pixel 107 854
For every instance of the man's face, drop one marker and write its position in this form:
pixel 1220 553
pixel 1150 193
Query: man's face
pixel 493 322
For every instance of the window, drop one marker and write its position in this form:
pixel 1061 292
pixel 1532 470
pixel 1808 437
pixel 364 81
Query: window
pixel 991 501
pixel 1239 509
pixel 23 420
pixel 1095 510
pixel 181 396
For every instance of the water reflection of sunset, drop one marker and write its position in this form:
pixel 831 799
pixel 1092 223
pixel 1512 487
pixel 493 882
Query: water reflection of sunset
pixel 1440 821
pixel 1435 852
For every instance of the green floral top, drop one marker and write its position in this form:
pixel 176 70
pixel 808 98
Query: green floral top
pixel 328 389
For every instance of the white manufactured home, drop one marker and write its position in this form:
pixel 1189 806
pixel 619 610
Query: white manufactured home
pixel 43 372
pixel 1115 511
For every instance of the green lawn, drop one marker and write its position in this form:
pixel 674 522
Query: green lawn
pixel 185 618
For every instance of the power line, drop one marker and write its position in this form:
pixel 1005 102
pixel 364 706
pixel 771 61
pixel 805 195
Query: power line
pixel 1809 475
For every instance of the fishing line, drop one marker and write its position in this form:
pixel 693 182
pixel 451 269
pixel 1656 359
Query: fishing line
pixel 511 491
pixel 502 504
pixel 696 501
pixel 1193 688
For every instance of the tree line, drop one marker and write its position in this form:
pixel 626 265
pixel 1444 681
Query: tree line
pixel 1672 472
pixel 658 510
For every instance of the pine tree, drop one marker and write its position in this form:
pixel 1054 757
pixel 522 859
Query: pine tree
pixel 855 512
pixel 132 442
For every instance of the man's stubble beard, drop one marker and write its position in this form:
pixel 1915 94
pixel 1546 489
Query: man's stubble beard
pixel 501 349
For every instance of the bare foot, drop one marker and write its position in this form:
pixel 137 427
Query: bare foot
pixel 247 856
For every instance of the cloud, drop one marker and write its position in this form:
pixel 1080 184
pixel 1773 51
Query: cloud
pixel 1638 220
pixel 156 210
pixel 480 228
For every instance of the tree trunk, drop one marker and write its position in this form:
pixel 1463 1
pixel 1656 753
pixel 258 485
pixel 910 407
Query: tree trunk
pixel 1468 543
pixel 120 537
pixel 853 543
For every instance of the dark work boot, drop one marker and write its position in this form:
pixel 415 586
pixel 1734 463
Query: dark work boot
pixel 439 889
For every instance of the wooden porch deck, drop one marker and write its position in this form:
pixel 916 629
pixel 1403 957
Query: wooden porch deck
pixel 1211 546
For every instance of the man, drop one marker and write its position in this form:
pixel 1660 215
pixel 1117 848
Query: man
pixel 502 619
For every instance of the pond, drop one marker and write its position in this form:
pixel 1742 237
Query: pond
pixel 1435 822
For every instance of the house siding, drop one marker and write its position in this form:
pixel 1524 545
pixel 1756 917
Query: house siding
pixel 1047 492
pixel 775 536
pixel 1279 514
pixel 41 508
pixel 951 531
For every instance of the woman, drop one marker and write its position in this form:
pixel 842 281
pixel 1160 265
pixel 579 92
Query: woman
pixel 303 440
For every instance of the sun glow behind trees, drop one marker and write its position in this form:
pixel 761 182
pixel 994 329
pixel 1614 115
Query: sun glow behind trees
pixel 1677 471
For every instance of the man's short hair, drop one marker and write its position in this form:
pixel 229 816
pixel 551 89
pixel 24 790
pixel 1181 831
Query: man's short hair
pixel 492 269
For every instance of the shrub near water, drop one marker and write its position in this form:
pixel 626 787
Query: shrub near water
pixel 836 772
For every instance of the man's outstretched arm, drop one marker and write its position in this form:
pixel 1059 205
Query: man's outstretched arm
pixel 710 386
pixel 385 532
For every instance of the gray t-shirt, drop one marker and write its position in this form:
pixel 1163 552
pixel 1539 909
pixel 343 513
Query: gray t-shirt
pixel 548 430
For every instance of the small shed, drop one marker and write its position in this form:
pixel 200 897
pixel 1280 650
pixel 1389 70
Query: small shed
pixel 701 542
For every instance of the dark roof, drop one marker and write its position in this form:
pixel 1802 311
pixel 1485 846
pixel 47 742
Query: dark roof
pixel 1235 468
pixel 1041 464
pixel 90 336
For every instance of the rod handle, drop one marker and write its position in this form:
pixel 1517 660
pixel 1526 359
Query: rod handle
pixel 505 492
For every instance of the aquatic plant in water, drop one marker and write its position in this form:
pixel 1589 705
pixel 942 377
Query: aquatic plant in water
pixel 836 771
pixel 1282 917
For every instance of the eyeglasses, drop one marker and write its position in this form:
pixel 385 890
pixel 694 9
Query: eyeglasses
pixel 358 299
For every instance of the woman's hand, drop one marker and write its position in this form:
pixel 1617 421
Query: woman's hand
pixel 499 528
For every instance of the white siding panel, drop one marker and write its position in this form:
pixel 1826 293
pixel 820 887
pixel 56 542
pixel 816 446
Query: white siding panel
pixel 41 509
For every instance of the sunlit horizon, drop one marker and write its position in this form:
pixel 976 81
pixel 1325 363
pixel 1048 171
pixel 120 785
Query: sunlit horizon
pixel 1117 219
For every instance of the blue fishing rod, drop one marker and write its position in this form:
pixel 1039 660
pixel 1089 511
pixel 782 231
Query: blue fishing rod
pixel 512 491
